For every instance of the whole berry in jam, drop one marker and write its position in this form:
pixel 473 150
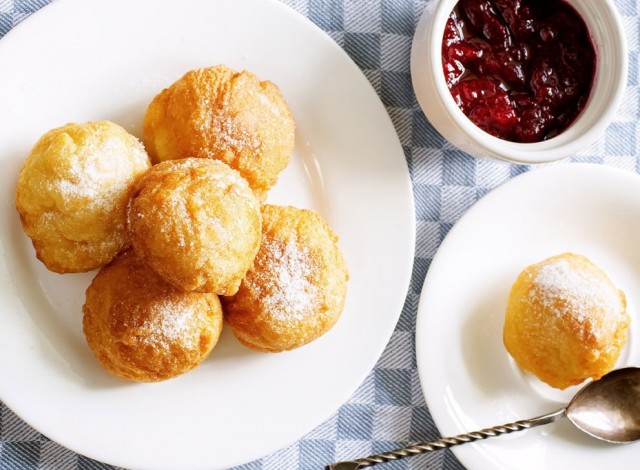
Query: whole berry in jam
pixel 521 70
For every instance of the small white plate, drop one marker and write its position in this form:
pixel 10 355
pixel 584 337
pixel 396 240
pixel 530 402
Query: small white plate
pixel 78 61
pixel 469 380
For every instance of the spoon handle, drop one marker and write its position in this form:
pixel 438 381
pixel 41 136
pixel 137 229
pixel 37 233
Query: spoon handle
pixel 446 442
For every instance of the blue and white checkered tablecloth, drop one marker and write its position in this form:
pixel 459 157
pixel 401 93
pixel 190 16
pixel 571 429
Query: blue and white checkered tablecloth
pixel 388 410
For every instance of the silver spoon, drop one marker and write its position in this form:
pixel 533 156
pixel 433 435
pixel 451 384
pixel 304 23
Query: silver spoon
pixel 607 409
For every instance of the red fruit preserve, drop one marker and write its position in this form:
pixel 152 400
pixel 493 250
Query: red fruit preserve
pixel 521 70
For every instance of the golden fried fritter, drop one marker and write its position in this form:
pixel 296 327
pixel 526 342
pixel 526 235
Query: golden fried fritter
pixel 72 194
pixel 141 328
pixel 296 289
pixel 196 223
pixel 565 321
pixel 226 115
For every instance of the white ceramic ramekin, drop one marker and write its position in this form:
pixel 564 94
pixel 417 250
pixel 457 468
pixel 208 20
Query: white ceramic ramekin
pixel 609 84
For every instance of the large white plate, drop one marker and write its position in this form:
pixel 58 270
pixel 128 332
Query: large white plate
pixel 468 378
pixel 79 61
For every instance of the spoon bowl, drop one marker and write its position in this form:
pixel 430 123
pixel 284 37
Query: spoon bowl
pixel 607 409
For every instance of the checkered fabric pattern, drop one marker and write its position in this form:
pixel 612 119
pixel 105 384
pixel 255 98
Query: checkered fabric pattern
pixel 388 410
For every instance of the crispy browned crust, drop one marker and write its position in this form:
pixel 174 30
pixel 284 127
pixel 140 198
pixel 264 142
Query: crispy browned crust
pixel 196 223
pixel 564 340
pixel 226 115
pixel 141 328
pixel 296 289
pixel 72 194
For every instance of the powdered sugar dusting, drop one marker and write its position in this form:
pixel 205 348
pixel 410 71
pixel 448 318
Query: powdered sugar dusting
pixel 233 136
pixel 101 173
pixel 169 323
pixel 285 279
pixel 234 131
pixel 187 215
pixel 577 292
pixel 270 105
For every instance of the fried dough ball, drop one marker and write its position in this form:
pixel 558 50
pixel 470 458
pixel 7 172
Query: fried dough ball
pixel 140 328
pixel 226 115
pixel 296 289
pixel 72 194
pixel 196 223
pixel 565 321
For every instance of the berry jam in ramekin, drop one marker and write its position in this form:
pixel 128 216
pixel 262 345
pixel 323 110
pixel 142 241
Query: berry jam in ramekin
pixel 521 70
